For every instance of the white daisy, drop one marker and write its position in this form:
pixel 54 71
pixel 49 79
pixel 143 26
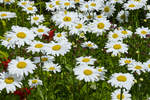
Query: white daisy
pixel 52 67
pixel 115 35
pixel 21 35
pixel 30 9
pixel 9 82
pixel 116 48
pixel 116 95
pixel 89 44
pixel 7 15
pixel 34 82
pixel 45 59
pixel 85 60
pixel 126 61
pixel 60 48
pixel 123 16
pixel 66 4
pixel 36 47
pixel 137 67
pixel 60 36
pixel 142 31
pixel 147 65
pixel 40 30
pixel 122 80
pixel 101 71
pixel 131 5
pixel 99 26
pixel 21 66
pixel 37 19
pixel 125 33
pixel 86 73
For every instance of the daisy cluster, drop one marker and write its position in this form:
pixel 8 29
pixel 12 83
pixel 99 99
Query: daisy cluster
pixel 75 19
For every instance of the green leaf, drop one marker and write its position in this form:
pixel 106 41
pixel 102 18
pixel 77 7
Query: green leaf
pixel 4 54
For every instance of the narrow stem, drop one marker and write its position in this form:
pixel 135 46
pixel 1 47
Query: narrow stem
pixel 121 93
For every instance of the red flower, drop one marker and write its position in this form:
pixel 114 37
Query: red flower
pixel 5 63
pixel 50 35
pixel 23 92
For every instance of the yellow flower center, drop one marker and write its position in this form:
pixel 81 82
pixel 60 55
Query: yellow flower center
pixel 143 32
pixel 119 96
pixel 138 67
pixel 122 78
pixel 86 6
pixel 115 35
pixel 85 60
pixel 99 16
pixel 56 47
pixel 24 3
pixel 6 0
pixel 3 15
pixel 123 16
pixel 67 19
pixel 9 80
pixel 106 9
pixel 148 65
pixel 51 68
pixel 127 61
pixel 124 32
pixel 8 39
pixel 89 45
pixel 100 25
pixel 77 1
pixel 93 4
pixel 87 72
pixel 35 18
pixel 39 45
pixel 57 2
pixel 44 59
pixel 40 30
pixel 100 70
pixel 59 35
pixel 117 46
pixel 131 5
pixel 34 81
pixel 78 26
pixel 30 8
pixel 21 65
pixel 66 3
pixel 51 6
pixel 21 35
pixel 89 17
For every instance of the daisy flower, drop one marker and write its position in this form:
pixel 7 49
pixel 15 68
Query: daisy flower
pixel 57 4
pixel 7 43
pixel 148 16
pixel 64 19
pixel 89 44
pixel 100 17
pixel 125 33
pixel 116 95
pixel 21 35
pixel 126 61
pixel 34 82
pixel 122 80
pixel 37 46
pixel 77 27
pixel 37 19
pixel 123 16
pixel 52 67
pixel 85 60
pixel 8 1
pixel 24 3
pixel 7 15
pixel 21 66
pixel 86 73
pixel 40 30
pixel 115 35
pixel 137 67
pixel 45 59
pixel 60 37
pixel 94 5
pixel 131 5
pixel 99 26
pixel 60 48
pixel 30 9
pixel 10 82
pixel 107 9
pixel 147 65
pixel 84 6
pixel 116 47
pixel 143 31
pixel 101 71
pixel 66 4
pixel 50 6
